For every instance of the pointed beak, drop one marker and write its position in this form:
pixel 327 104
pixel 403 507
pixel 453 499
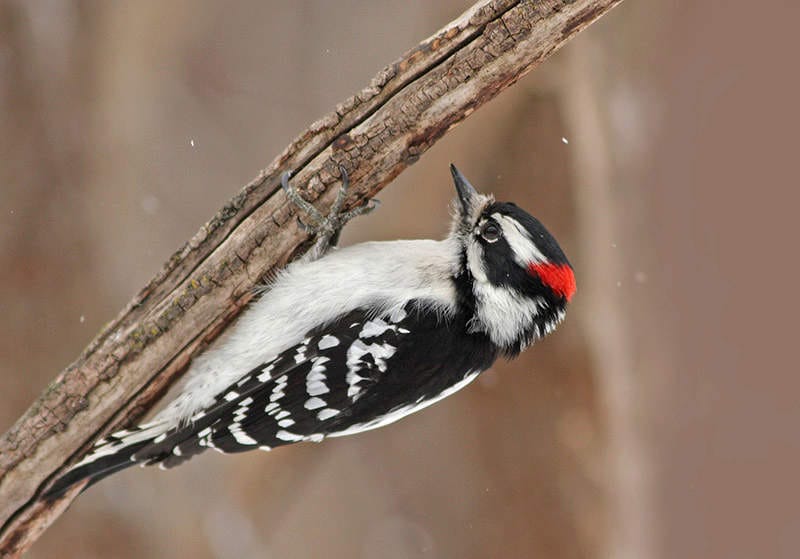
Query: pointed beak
pixel 466 192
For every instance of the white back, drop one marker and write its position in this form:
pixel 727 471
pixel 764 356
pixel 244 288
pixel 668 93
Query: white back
pixel 382 275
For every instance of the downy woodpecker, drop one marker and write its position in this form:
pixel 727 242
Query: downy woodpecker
pixel 358 337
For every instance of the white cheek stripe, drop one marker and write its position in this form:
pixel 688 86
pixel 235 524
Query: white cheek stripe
pixel 475 261
pixel 503 313
pixel 524 249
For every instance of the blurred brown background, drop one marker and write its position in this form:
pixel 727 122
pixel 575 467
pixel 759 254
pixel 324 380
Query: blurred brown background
pixel 660 421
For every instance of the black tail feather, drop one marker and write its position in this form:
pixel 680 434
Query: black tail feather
pixel 154 449
pixel 159 443
pixel 94 471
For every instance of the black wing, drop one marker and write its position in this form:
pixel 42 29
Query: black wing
pixel 351 374
pixel 355 373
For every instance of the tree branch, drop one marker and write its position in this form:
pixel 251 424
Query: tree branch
pixel 375 134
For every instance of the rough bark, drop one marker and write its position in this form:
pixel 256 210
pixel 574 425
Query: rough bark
pixel 375 134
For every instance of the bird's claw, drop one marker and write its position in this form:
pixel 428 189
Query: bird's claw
pixel 326 228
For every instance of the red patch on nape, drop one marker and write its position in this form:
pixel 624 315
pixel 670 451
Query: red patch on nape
pixel 558 277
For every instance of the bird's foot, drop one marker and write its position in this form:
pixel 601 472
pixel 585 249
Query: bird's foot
pixel 325 228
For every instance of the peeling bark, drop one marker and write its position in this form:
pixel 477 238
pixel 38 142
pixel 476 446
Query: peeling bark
pixel 375 134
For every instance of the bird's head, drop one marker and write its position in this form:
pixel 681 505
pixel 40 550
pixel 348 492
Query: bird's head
pixel 514 269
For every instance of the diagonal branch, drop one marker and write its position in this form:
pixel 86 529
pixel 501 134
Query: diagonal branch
pixel 375 134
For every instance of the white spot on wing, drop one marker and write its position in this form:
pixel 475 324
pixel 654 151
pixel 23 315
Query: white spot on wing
pixel 243 381
pixel 327 413
pixel 328 341
pixel 374 327
pixel 266 374
pixel 287 436
pixel 397 315
pixel 379 352
pixel 243 438
pixel 357 350
pixel 317 388
pixel 353 390
pixel 314 403
pixel 315 380
pixel 272 407
pixel 277 390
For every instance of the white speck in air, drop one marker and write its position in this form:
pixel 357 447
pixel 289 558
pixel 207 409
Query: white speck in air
pixel 563 139
pixel 150 204
pixel 489 379
pixel 82 319
pixel 191 142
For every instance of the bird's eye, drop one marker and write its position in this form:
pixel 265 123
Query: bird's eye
pixel 491 231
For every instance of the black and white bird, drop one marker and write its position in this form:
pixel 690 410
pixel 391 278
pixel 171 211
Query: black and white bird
pixel 358 337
